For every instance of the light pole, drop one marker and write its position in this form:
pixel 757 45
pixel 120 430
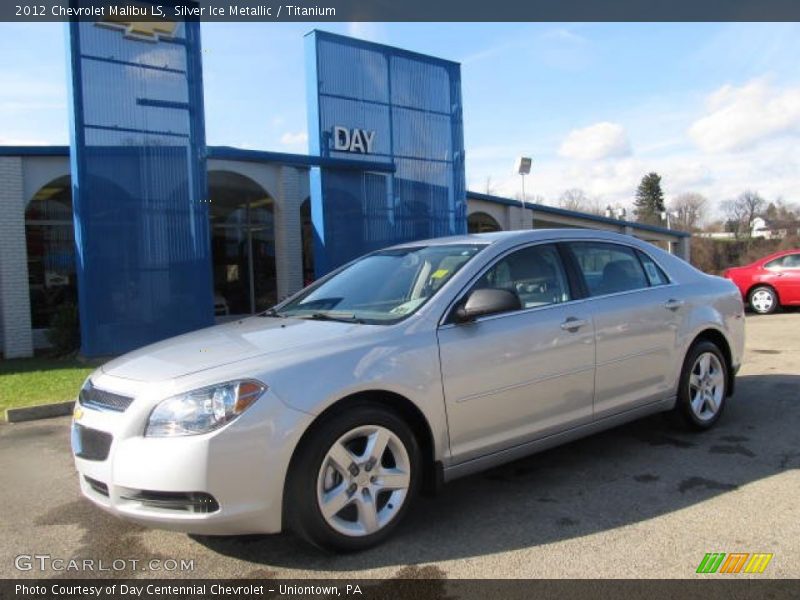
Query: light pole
pixel 665 214
pixel 523 167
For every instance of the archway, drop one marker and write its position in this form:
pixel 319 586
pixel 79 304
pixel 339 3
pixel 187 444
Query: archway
pixel 480 222
pixel 242 218
pixel 50 239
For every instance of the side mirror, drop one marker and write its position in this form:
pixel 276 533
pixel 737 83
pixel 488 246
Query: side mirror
pixel 487 301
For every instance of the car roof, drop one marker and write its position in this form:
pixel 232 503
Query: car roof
pixel 522 235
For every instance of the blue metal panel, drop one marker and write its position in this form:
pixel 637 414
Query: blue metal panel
pixel 139 186
pixel 412 104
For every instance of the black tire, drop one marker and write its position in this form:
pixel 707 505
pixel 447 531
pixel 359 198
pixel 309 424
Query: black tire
pixel 304 514
pixel 683 413
pixel 759 307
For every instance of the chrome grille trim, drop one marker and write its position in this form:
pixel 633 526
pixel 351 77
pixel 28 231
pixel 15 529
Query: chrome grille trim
pixel 92 397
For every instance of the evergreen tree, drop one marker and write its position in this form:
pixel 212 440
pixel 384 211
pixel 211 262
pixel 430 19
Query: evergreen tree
pixel 649 199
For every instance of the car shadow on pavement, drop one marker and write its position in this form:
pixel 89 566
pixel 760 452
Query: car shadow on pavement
pixel 623 476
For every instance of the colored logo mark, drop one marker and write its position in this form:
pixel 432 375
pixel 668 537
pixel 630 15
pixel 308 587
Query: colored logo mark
pixel 150 31
pixel 735 562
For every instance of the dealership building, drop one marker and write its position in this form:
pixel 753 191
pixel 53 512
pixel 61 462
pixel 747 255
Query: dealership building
pixel 153 233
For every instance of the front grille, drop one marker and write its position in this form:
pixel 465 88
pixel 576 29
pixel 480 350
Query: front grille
pixel 98 486
pixel 195 502
pixel 91 444
pixel 94 398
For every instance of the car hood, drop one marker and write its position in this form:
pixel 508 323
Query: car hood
pixel 225 344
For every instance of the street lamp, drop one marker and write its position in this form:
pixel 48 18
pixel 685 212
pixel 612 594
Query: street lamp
pixel 523 167
pixel 665 215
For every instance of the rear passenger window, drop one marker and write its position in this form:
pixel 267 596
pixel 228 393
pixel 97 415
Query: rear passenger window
pixel 654 273
pixel 609 268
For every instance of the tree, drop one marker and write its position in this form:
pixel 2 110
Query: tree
pixel 688 210
pixel 490 189
pixel 779 210
pixel 573 199
pixel 649 199
pixel 741 211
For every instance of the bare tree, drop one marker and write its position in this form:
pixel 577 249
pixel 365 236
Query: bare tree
pixel 537 199
pixel 574 199
pixel 689 210
pixel 741 212
pixel 489 186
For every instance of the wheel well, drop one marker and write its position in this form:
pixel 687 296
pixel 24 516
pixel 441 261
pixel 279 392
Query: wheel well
pixel 758 285
pixel 715 337
pixel 402 407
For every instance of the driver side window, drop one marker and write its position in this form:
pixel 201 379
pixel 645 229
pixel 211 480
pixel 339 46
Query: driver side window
pixel 534 274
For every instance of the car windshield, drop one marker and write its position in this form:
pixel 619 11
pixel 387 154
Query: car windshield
pixel 383 287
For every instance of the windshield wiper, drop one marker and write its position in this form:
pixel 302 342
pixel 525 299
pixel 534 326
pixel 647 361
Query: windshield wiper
pixel 344 318
pixel 271 312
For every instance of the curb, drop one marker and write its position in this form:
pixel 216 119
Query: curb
pixel 43 411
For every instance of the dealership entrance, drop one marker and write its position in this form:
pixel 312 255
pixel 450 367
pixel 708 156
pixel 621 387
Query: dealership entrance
pixel 242 218
pixel 50 242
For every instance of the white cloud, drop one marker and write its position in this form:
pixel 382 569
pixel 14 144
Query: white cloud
pixel 596 142
pixel 26 141
pixel 739 117
pixel 367 30
pixel 294 138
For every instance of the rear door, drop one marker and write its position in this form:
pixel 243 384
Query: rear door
pixel 512 377
pixel 636 313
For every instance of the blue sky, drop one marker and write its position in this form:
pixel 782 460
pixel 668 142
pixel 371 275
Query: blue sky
pixel 714 108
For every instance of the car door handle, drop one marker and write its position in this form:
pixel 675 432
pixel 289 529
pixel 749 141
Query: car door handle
pixel 673 304
pixel 573 324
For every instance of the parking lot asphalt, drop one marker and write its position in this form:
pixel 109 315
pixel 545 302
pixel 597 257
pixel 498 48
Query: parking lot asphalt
pixel 644 501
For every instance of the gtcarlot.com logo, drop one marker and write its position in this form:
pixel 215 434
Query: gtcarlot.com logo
pixel 735 562
pixel 46 562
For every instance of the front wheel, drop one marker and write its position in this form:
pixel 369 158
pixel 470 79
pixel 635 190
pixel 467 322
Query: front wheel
pixel 763 300
pixel 703 386
pixel 353 479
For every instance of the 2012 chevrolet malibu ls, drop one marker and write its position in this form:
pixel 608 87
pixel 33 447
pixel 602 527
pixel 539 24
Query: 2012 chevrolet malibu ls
pixel 401 370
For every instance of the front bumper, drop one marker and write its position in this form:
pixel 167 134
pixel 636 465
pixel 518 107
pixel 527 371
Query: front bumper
pixel 229 481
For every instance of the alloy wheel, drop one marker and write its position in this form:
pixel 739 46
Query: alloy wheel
pixel 706 386
pixel 363 480
pixel 762 300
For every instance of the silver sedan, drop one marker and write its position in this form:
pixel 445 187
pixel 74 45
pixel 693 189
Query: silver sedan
pixel 400 371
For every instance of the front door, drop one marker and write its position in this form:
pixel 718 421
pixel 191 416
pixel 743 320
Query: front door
pixel 513 377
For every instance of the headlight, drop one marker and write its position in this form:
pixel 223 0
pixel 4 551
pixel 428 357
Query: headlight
pixel 203 410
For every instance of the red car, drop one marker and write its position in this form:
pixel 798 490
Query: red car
pixel 769 282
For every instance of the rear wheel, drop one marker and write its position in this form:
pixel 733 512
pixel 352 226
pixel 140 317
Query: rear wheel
pixel 763 300
pixel 703 386
pixel 353 479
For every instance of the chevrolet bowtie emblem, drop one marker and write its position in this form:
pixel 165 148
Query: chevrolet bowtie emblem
pixel 150 31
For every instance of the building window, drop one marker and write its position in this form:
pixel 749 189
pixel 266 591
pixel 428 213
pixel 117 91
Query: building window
pixel 480 222
pixel 50 237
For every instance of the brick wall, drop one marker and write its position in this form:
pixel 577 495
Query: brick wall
pixel 15 309
pixel 288 241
